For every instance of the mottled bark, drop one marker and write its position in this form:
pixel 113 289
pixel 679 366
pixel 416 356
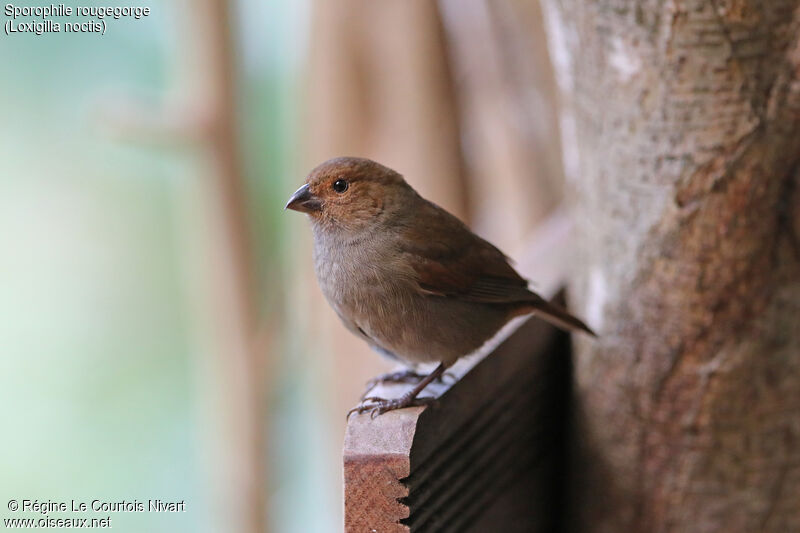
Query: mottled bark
pixel 681 128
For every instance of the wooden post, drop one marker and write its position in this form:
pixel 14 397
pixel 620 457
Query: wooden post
pixel 486 458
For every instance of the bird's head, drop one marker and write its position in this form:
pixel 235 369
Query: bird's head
pixel 350 193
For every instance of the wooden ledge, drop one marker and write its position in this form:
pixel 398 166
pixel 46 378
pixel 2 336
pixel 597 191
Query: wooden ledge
pixel 488 457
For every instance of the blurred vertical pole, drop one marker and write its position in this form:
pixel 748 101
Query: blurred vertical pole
pixel 379 87
pixel 233 384
pixel 507 100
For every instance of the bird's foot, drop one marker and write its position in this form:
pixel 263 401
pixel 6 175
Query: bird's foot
pixel 403 376
pixel 376 406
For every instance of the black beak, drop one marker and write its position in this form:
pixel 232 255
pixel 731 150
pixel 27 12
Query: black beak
pixel 302 200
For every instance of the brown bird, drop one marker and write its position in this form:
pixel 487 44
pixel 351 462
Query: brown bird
pixel 407 276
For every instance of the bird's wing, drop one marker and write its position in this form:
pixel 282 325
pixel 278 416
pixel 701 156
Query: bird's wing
pixel 451 261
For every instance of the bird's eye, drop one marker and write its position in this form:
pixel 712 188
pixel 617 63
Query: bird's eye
pixel 340 186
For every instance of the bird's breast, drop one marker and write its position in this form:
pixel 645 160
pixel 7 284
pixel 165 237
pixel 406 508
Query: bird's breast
pixel 356 278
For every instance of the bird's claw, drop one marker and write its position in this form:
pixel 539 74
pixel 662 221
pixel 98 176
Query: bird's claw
pixel 376 406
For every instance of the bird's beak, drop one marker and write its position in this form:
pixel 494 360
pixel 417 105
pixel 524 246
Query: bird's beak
pixel 302 200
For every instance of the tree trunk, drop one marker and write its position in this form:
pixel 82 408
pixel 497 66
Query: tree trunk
pixel 681 129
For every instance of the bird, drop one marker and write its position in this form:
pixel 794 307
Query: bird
pixel 406 276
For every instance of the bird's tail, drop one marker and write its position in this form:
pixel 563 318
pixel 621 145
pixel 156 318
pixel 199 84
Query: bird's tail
pixel 557 316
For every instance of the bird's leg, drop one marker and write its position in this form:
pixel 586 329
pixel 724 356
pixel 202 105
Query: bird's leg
pixel 403 376
pixel 377 406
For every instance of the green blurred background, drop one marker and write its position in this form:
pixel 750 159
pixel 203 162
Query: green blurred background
pixel 98 384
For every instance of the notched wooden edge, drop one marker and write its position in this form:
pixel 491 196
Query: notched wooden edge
pixel 381 454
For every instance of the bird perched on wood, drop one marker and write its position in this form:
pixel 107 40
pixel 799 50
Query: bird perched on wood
pixel 407 276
